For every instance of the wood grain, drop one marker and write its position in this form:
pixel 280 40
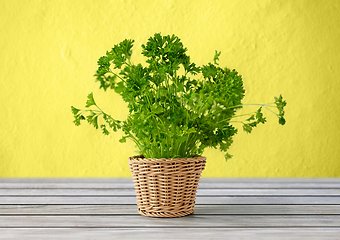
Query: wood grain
pixel 199 200
pixel 170 233
pixel 125 209
pixel 219 183
pixel 190 221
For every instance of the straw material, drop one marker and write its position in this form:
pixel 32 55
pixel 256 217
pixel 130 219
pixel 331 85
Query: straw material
pixel 166 187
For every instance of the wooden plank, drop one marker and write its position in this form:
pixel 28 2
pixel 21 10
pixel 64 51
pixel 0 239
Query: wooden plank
pixel 192 221
pixel 204 183
pixel 200 192
pixel 170 233
pixel 199 209
pixel 323 200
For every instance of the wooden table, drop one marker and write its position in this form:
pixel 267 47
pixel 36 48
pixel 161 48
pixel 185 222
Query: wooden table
pixel 225 209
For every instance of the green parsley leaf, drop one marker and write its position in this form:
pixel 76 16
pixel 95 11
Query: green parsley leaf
pixel 280 104
pixel 216 57
pixel 105 131
pixel 77 119
pixel 93 119
pixel 90 101
pixel 74 110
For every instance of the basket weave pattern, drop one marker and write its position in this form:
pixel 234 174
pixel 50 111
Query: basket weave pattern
pixel 166 187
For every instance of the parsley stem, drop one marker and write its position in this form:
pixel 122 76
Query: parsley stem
pixel 237 121
pixel 117 75
pixel 241 115
pixel 90 110
pixel 99 108
pixel 271 111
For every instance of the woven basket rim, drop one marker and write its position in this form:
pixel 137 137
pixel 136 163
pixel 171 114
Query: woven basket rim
pixel 139 158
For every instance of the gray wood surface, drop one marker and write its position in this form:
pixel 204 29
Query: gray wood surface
pixel 192 221
pixel 225 208
pixel 199 200
pixel 170 233
pixel 219 209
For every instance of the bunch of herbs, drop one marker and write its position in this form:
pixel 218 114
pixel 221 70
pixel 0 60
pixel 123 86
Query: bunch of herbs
pixel 176 109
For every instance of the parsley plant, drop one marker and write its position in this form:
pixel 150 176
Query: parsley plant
pixel 176 109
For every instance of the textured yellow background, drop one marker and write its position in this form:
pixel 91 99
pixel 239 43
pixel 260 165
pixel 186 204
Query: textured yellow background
pixel 49 51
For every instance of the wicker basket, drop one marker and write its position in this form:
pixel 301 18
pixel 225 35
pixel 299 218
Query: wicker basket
pixel 166 187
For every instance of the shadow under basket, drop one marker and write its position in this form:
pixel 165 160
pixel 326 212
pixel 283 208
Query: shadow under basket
pixel 166 187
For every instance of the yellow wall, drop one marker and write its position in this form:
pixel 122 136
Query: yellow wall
pixel 49 51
